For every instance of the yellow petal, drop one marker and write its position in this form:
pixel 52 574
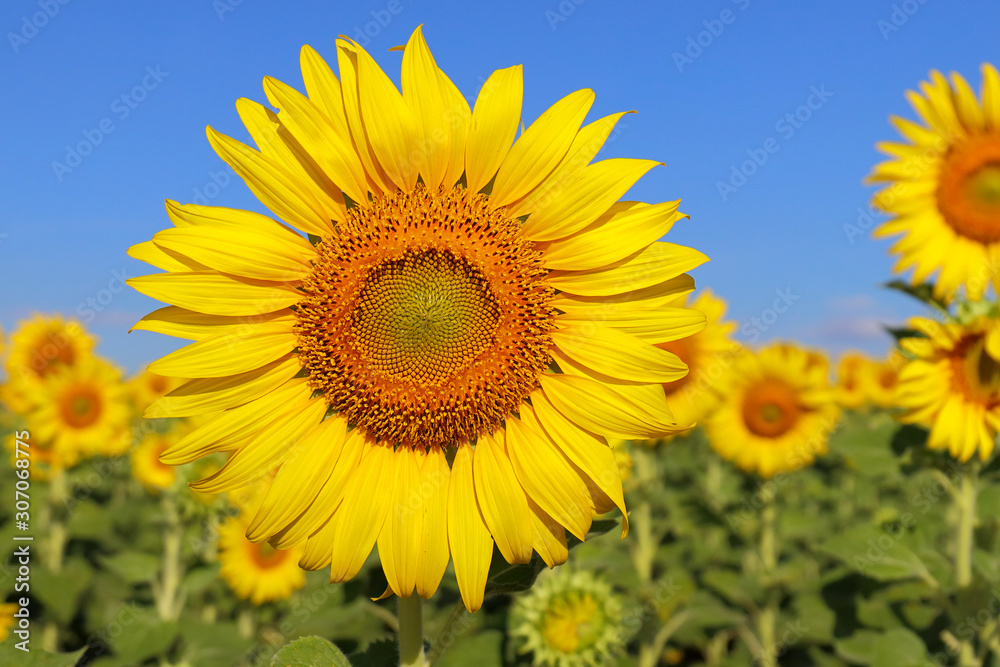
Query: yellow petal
pixel 627 228
pixel 215 294
pixel 502 500
pixel 440 112
pixel 196 215
pixel 319 137
pixel 494 126
pixel 399 542
pixel 300 478
pixel 324 89
pixel 347 58
pixel 192 325
pixel 468 538
pixel 991 96
pixel 618 354
pixel 546 476
pixel 656 264
pixel 318 551
pixel 435 477
pixel 589 453
pixel 655 296
pixel 389 123
pixel 584 197
pixel 149 252
pixel 550 537
pixel 272 184
pixel 246 253
pixel 652 326
pixel 232 427
pixel 966 105
pixel 542 146
pixel 268 449
pixel 362 514
pixel 201 396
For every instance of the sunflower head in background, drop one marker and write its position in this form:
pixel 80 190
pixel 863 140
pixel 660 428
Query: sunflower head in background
pixel 256 571
pixel 883 378
pixel 854 376
pixel 147 468
pixel 943 185
pixel 952 385
pixel 431 342
pixel 777 411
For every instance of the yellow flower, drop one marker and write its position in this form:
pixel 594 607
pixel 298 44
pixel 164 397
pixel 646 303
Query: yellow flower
pixel 853 380
pixel 952 386
pixel 777 411
pixel 459 299
pixel 707 354
pixel 146 465
pixel 81 410
pixel 7 611
pixel 145 388
pixel 569 619
pixel 39 347
pixel 884 380
pixel 257 572
pixel 944 185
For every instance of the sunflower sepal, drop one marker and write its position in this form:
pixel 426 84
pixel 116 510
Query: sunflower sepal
pixel 923 292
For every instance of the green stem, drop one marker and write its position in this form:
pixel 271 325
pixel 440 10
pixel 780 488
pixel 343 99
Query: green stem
pixel 644 547
pixel 769 557
pixel 245 623
pixel 167 593
pixel 966 522
pixel 56 546
pixel 411 632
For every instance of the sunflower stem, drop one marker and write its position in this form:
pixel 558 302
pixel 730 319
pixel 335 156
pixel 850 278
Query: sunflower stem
pixel 966 522
pixel 411 632
pixel 56 546
pixel 167 593
pixel 769 558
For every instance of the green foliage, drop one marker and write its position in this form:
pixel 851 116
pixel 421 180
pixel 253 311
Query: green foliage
pixel 310 652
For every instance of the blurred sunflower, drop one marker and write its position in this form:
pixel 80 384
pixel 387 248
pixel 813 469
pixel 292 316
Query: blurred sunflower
pixel 81 410
pixel 706 354
pixel 146 465
pixel 884 378
pixel 853 380
pixel 38 348
pixel 777 411
pixel 257 572
pixel 7 611
pixel 145 388
pixel 423 314
pixel 952 385
pixel 944 185
pixel 569 619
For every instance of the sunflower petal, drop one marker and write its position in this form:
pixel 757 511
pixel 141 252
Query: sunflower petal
pixel 468 538
pixel 502 500
pixel 248 254
pixel 192 325
pixel 215 294
pixel 493 126
pixel 618 354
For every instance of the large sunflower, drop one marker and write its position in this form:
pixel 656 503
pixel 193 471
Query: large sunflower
pixel 777 411
pixel 81 410
pixel 39 347
pixel 707 354
pixel 466 322
pixel 952 385
pixel 944 185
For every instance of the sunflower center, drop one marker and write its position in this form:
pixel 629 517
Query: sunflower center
pixel 771 408
pixel 80 407
pixel 969 188
pixel 266 556
pixel 426 318
pixel 572 623
pixel 51 352
pixel 976 373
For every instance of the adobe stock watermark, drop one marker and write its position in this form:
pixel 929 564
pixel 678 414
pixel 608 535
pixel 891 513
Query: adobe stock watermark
pixel 757 326
pixel 786 127
pixel 31 25
pixel 121 107
pixel 697 43
pixel 899 17
pixel 223 7
pixel 381 18
pixel 566 8
pixel 89 308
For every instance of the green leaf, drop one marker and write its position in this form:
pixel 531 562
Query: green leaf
pixel 9 655
pixel 821 618
pixel 923 292
pixel 200 578
pixel 506 578
pixel 988 502
pixel 876 553
pixel 214 644
pixel 89 521
pixel 858 648
pixel 133 566
pixel 908 436
pixel 61 593
pixel 481 650
pixel 382 653
pixel 310 652
pixel 899 647
pixel 146 637
pixel 733 587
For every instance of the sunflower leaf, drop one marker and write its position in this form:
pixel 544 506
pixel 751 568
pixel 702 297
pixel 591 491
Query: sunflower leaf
pixel 923 292
pixel 9 655
pixel 310 652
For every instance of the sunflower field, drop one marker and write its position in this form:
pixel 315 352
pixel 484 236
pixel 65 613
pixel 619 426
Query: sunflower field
pixel 450 398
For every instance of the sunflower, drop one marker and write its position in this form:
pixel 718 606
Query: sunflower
pixel 777 411
pixel 884 378
pixel 706 353
pixel 257 572
pixel 39 347
pixel 944 192
pixel 146 465
pixel 952 385
pixel 7 611
pixel 853 380
pixel 81 410
pixel 569 619
pixel 465 323
pixel 145 388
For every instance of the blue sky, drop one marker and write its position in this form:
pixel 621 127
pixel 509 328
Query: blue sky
pixel 713 83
